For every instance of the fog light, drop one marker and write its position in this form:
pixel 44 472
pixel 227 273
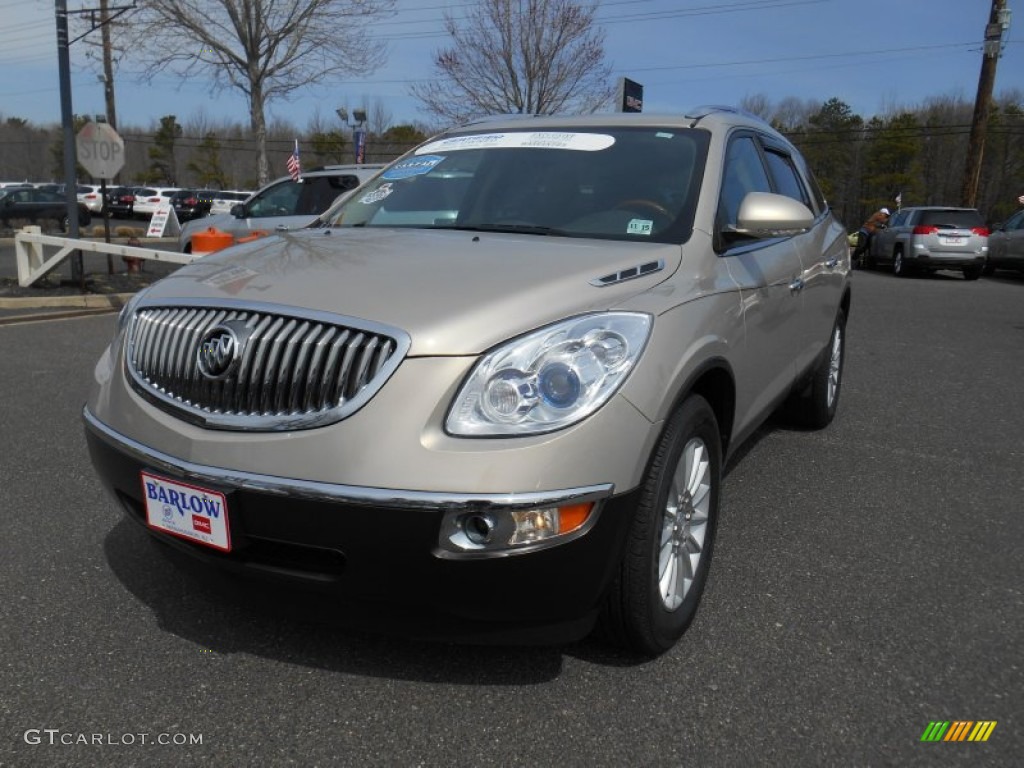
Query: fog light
pixel 506 531
pixel 479 528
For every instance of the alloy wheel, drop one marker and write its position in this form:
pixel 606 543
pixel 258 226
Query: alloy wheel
pixel 684 524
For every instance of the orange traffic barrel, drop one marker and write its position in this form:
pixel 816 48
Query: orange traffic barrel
pixel 209 241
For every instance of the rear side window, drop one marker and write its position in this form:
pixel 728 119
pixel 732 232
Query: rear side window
pixel 787 181
pixel 319 192
pixel 951 219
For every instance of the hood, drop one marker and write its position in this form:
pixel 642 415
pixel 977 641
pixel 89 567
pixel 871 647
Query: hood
pixel 453 292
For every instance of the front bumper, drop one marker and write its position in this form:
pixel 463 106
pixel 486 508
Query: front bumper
pixel 374 551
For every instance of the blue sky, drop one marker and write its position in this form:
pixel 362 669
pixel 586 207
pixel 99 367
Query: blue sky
pixel 872 54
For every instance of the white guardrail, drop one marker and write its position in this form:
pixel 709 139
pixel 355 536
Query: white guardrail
pixel 33 264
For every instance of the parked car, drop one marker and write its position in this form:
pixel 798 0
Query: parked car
pixel 1006 244
pixel 191 204
pixel 930 238
pixel 500 381
pixel 36 206
pixel 224 201
pixel 91 197
pixel 283 204
pixel 148 199
pixel 121 202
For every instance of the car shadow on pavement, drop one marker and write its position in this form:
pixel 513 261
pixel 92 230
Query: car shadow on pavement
pixel 225 614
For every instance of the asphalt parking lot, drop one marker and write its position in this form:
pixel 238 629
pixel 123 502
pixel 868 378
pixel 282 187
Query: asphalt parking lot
pixel 867 581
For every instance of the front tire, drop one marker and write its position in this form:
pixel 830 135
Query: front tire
pixel 661 577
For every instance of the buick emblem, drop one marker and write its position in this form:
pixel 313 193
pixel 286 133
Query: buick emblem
pixel 220 349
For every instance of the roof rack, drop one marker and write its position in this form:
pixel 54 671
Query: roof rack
pixel 699 113
pixel 508 116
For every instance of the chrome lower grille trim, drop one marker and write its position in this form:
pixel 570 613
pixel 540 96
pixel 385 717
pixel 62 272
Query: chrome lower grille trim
pixel 296 369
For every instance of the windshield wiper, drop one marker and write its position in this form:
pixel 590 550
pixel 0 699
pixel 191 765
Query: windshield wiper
pixel 529 229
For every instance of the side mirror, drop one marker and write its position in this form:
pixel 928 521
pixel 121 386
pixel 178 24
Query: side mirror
pixel 238 211
pixel 766 214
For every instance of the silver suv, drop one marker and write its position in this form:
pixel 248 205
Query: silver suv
pixel 498 384
pixel 932 237
pixel 284 203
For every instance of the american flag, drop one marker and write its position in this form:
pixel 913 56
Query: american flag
pixel 294 166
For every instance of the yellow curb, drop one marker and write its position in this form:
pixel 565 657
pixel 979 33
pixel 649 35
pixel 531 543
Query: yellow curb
pixel 81 301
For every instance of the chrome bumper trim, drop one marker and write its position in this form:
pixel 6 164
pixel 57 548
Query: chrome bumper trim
pixel 344 494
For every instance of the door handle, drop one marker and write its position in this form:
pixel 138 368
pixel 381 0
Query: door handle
pixel 796 286
pixel 832 263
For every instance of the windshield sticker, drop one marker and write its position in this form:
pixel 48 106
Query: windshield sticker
pixel 581 142
pixel 663 135
pixel 377 195
pixel 639 227
pixel 412 166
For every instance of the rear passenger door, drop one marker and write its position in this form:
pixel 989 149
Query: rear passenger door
pixel 883 241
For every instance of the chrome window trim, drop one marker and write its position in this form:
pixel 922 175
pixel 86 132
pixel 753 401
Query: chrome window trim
pixel 313 490
pixel 262 423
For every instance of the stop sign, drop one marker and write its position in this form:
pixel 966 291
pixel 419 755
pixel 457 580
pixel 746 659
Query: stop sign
pixel 100 150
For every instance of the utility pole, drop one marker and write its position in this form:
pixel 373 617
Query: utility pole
pixel 67 118
pixel 998 21
pixel 108 66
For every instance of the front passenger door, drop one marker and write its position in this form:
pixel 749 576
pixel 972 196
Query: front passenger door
pixel 769 275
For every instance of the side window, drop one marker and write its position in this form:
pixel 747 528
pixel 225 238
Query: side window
pixel 318 193
pixel 1016 222
pixel 280 200
pixel 787 180
pixel 744 173
pixel 899 219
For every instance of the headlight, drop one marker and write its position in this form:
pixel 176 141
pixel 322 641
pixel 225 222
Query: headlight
pixel 550 378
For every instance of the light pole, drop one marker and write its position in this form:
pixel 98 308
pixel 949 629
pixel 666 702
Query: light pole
pixel 358 126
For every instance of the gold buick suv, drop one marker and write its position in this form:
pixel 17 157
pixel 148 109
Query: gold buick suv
pixel 496 387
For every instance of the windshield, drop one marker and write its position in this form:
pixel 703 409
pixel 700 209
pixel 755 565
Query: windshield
pixel 609 183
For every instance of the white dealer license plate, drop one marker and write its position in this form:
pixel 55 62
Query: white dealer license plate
pixel 953 240
pixel 187 511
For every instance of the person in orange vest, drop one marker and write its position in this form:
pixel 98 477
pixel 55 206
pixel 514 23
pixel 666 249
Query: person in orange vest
pixel 878 220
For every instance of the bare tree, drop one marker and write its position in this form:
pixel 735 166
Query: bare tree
pixel 267 49
pixel 523 56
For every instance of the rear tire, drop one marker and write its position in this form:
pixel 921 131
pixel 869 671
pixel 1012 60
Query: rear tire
pixel 655 594
pixel 972 273
pixel 899 267
pixel 814 406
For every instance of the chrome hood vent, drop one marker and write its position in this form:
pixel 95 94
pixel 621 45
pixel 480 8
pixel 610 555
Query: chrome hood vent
pixel 257 367
pixel 648 268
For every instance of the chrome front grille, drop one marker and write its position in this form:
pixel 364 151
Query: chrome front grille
pixel 294 369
